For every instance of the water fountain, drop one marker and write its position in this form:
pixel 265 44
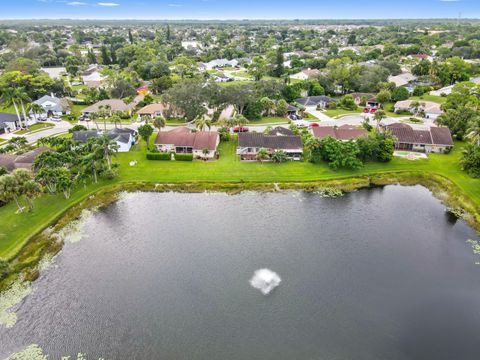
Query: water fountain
pixel 265 280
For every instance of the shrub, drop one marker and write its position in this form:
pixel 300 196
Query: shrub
pixel 158 156
pixel 184 157
pixel 331 106
pixel 400 94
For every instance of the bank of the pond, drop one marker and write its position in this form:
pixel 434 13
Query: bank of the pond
pixel 45 241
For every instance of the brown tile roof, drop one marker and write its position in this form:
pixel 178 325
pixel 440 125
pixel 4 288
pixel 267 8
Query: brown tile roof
pixel 434 136
pixel 344 132
pixel 269 141
pixel 185 137
pixel 115 104
pixel 151 109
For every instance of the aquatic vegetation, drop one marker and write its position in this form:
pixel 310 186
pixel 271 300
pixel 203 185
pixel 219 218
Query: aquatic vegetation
pixel 9 298
pixel 35 352
pixel 31 352
pixel 475 244
pixel 329 192
pixel 72 232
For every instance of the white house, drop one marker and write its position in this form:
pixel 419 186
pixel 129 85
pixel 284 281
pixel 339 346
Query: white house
pixel 53 106
pixel 431 109
pixel 221 63
pixel 305 74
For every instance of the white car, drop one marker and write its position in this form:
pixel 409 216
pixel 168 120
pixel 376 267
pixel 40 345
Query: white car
pixel 301 124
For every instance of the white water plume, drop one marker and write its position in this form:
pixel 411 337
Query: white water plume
pixel 265 280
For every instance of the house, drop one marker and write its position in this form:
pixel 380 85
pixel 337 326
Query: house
pixel 402 79
pixel 371 100
pixel 183 141
pixel 306 74
pixel 343 133
pixel 435 139
pixel 221 63
pixel 249 144
pixel 8 123
pixel 53 106
pixel 315 101
pixel 25 161
pixel 92 75
pixel 114 104
pixel 431 109
pixel 291 110
pixel 152 110
pixel 124 137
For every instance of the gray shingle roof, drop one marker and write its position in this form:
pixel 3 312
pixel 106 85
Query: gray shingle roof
pixel 269 141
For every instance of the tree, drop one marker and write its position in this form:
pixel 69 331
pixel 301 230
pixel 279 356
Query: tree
pixel 258 68
pixel 187 98
pixel 159 123
pixel 457 120
pixel 268 106
pixel 470 160
pixel 31 190
pixel 379 116
pixel 279 68
pixel 145 131
pixel 202 122
pixel 400 94
pixel 36 109
pixel 279 156
pixel 10 97
pixel 262 154
pixel 384 97
pixel 473 132
pixel 347 102
pixel 9 190
pixel 377 146
pixel 338 154
pixel 77 127
pixel 282 107
pixel 108 147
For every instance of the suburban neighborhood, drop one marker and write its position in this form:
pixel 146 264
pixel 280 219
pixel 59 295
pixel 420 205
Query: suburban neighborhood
pixel 153 163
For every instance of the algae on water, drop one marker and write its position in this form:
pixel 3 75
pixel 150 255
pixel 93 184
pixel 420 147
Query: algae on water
pixel 8 299
pixel 35 352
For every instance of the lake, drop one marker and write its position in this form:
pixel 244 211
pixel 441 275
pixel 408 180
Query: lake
pixel 376 274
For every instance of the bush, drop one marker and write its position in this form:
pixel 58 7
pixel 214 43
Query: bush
pixel 400 94
pixel 331 106
pixel 158 156
pixel 184 157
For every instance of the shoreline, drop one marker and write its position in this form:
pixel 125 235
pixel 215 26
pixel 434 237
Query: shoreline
pixel 24 265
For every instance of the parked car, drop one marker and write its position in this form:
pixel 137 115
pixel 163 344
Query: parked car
pixel 240 129
pixel 371 110
pixel 56 119
pixel 312 125
pixel 301 124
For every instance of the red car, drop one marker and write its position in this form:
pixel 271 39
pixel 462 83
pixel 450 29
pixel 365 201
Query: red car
pixel 312 125
pixel 240 129
pixel 370 110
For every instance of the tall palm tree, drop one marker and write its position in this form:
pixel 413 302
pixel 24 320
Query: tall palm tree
pixel 108 147
pixel 9 98
pixel 379 116
pixel 200 123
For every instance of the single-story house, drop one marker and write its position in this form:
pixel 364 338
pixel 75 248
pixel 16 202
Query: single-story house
pixel 25 161
pixel 92 74
pixel 53 106
pixel 315 101
pixel 221 63
pixel 371 100
pixel 114 104
pixel 124 137
pixel 402 79
pixel 183 141
pixel 8 122
pixel 434 139
pixel 152 110
pixel 306 74
pixel 54 72
pixel 249 144
pixel 344 132
pixel 431 109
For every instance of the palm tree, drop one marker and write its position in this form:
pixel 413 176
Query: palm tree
pixel 159 123
pixel 474 131
pixel 279 156
pixel 9 98
pixel 31 190
pixel 108 148
pixel 22 98
pixel 200 123
pixel 36 109
pixel 262 154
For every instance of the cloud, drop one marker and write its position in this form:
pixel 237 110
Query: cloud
pixel 108 4
pixel 76 3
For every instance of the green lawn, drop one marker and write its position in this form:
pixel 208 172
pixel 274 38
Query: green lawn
pixel 342 112
pixel 16 229
pixel 428 97
pixel 269 120
pixel 34 128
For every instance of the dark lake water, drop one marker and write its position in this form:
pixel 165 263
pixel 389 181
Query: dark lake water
pixel 377 274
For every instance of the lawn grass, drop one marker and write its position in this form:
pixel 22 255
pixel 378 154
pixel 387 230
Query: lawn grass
pixel 428 97
pixel 269 120
pixel 34 128
pixel 15 230
pixel 335 113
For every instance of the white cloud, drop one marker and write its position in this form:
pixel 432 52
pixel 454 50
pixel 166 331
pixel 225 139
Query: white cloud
pixel 76 3
pixel 108 4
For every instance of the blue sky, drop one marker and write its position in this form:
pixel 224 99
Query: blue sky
pixel 238 9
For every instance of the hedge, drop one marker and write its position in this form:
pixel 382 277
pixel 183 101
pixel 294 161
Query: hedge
pixel 184 157
pixel 159 156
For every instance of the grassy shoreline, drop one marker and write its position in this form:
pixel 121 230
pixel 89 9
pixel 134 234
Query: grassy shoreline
pixel 24 263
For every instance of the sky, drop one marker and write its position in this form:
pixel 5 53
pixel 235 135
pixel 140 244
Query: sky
pixel 238 9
